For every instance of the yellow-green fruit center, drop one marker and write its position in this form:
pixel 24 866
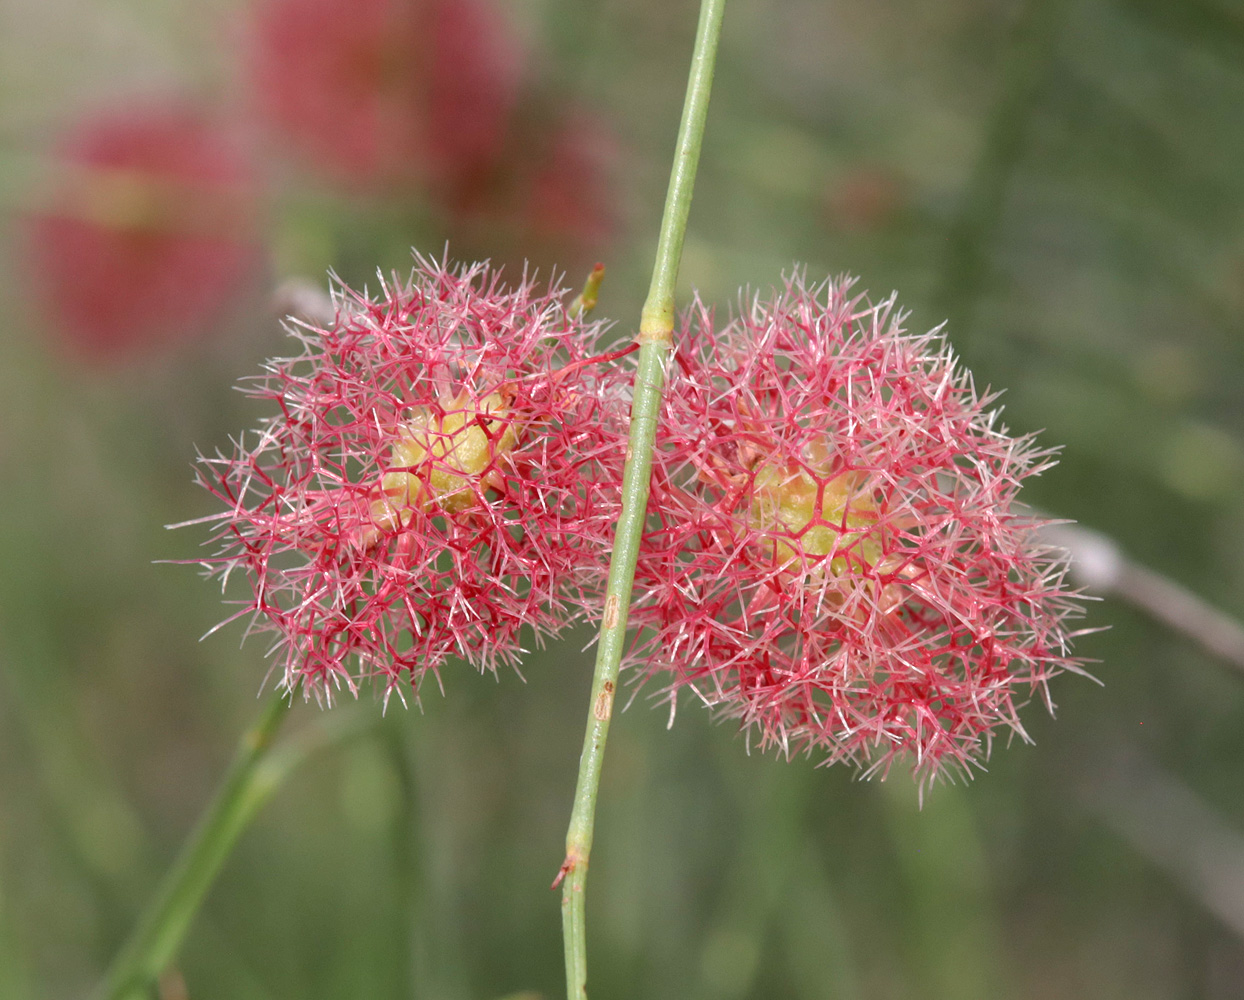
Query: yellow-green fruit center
pixel 809 518
pixel 440 456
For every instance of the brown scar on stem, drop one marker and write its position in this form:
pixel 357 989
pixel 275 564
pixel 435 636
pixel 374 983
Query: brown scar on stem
pixel 655 332
pixel 604 703
pixel 571 862
pixel 611 611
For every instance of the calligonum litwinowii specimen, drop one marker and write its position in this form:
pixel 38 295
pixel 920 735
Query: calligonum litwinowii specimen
pixel 436 475
pixel 836 556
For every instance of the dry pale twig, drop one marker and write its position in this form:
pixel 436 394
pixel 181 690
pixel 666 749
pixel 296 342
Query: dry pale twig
pixel 1101 566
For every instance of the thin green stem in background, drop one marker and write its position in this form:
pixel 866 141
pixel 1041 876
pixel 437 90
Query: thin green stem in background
pixel 656 331
pixel 162 928
pixel 258 769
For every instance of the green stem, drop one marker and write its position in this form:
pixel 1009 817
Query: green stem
pixel 656 332
pixel 585 301
pixel 253 776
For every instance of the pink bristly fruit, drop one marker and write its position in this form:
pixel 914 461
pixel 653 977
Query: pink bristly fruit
pixel 437 476
pixel 836 556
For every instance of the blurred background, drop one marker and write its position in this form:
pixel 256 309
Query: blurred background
pixel 1059 178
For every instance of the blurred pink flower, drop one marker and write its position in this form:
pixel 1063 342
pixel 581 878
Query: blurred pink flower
pixel 389 91
pixel 439 475
pixel 145 228
pixel 569 196
pixel 839 561
pixel 553 194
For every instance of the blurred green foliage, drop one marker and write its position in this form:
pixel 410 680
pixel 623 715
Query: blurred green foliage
pixel 1060 177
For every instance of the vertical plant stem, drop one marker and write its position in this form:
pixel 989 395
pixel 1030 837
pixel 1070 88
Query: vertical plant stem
pixel 656 332
pixel 248 784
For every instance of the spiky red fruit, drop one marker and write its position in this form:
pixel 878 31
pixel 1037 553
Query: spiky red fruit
pixel 389 91
pixel 147 226
pixel 438 476
pixel 839 561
